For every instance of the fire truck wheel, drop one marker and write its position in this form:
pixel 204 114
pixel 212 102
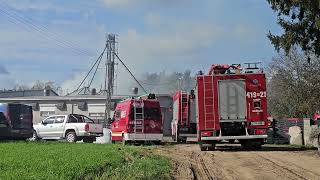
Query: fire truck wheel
pixel 251 145
pixel 183 140
pixel 124 142
pixel 212 147
pixel 202 147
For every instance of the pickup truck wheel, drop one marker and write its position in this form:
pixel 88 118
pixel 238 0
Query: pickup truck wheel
pixel 71 136
pixel 35 136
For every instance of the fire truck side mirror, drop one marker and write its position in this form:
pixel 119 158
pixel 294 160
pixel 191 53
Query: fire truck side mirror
pixel 192 94
pixel 111 120
pixel 151 96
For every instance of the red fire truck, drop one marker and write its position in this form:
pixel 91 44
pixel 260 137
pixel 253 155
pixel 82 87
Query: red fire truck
pixel 184 123
pixel 137 120
pixel 232 106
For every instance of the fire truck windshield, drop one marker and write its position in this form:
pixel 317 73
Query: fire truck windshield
pixel 149 114
pixel 152 113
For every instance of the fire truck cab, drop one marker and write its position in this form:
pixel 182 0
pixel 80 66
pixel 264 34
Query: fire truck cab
pixel 232 106
pixel 137 120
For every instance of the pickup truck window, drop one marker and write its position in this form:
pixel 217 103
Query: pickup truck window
pixel 72 119
pixel 49 120
pixel 87 120
pixel 59 119
pixel 76 118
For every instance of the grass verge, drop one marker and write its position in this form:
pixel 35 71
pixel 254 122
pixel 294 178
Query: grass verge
pixel 79 161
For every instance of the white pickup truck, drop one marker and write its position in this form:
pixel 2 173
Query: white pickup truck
pixel 72 127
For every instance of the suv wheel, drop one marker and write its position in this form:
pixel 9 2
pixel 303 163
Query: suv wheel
pixel 71 136
pixel 35 136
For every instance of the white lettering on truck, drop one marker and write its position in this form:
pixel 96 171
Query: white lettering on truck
pixel 261 94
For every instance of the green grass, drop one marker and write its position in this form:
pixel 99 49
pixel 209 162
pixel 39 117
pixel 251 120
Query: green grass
pixel 56 160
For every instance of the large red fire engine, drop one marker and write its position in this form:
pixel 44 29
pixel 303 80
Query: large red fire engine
pixel 231 105
pixel 137 120
pixel 184 123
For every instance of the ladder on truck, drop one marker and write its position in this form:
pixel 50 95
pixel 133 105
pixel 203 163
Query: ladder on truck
pixel 208 102
pixel 184 105
pixel 138 112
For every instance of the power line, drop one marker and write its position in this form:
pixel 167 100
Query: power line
pixel 94 74
pixel 43 28
pixel 43 31
pixel 98 60
pixel 158 84
pixel 131 73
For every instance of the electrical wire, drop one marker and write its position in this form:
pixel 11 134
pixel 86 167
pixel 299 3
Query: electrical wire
pixel 42 28
pixel 130 73
pixel 43 31
pixel 94 74
pixel 99 58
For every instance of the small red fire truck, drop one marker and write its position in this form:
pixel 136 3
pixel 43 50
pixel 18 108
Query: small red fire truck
pixel 137 120
pixel 184 123
pixel 232 105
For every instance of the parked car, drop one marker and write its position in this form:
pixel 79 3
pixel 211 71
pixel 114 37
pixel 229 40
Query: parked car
pixel 72 127
pixel 15 121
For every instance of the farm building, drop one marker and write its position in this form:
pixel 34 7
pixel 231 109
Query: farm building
pixel 93 106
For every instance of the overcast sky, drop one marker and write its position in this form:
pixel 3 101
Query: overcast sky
pixel 59 40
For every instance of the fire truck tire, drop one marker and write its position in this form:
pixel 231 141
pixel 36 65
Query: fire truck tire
pixel 202 147
pixel 174 138
pixel 124 142
pixel 251 145
pixel 183 140
pixel 212 147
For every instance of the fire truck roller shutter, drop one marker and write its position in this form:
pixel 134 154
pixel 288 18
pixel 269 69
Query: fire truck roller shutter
pixel 232 100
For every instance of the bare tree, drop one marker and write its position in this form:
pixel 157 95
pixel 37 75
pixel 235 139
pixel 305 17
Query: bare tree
pixel 294 85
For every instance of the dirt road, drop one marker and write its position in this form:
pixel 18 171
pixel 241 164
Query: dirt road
pixel 235 163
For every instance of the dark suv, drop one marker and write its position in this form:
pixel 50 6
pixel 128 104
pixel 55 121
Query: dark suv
pixel 15 121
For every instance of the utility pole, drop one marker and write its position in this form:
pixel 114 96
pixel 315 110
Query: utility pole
pixel 110 75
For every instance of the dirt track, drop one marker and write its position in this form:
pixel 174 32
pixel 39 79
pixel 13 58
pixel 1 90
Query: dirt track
pixel 235 163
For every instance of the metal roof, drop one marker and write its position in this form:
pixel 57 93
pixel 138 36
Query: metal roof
pixel 25 93
pixel 69 98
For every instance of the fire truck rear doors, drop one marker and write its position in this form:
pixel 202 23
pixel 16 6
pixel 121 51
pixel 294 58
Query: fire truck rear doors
pixel 232 100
